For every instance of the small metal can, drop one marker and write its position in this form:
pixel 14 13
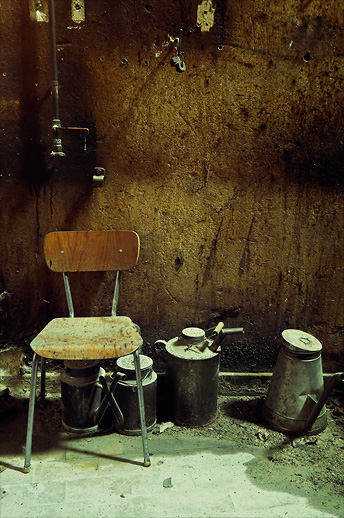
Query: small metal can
pixel 127 397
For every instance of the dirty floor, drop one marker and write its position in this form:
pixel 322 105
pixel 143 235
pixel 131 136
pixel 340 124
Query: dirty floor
pixel 236 467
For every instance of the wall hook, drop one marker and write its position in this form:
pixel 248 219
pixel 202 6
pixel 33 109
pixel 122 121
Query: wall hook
pixel 98 176
pixel 177 61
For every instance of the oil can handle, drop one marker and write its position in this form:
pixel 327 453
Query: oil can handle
pixel 214 331
pixel 211 334
pixel 159 346
pixel 219 328
pixel 229 331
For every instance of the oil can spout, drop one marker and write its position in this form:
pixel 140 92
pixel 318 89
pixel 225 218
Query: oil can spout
pixel 222 333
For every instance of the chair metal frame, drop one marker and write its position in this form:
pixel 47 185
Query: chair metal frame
pixel 85 251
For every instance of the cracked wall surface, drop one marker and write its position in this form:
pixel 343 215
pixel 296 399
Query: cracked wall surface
pixel 231 171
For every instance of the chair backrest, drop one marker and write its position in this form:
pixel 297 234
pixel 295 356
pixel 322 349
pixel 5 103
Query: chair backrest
pixel 91 251
pixel 82 251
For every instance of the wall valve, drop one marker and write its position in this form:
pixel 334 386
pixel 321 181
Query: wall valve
pixel 57 140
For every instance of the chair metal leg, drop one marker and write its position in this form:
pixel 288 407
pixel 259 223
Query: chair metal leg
pixel 28 448
pixel 146 459
pixel 43 369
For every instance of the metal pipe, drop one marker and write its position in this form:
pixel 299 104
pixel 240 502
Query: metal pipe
pixel 233 330
pixel 56 127
pixel 55 81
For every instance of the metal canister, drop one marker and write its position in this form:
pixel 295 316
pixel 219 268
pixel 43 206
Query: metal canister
pixel 81 395
pixel 296 385
pixel 192 375
pixel 127 397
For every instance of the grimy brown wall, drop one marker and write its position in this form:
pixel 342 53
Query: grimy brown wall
pixel 231 172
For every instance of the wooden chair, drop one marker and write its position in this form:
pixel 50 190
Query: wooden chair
pixel 81 338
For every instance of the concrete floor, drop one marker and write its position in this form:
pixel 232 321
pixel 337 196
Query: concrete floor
pixel 102 476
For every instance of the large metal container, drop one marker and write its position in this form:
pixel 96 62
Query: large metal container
pixel 127 398
pixel 81 395
pixel 192 375
pixel 296 385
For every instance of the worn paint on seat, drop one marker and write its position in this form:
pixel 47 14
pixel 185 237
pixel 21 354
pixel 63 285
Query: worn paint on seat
pixel 82 338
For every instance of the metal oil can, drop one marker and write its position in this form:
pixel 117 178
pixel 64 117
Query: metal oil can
pixel 126 394
pixel 192 374
pixel 192 378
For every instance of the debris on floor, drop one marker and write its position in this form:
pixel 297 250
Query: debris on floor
pixel 167 483
pixel 304 441
pixel 165 426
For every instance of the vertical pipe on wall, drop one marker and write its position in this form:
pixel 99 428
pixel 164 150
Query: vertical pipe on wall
pixel 57 143
pixel 55 82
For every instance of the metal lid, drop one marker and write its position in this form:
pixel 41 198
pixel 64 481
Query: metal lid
pixel 299 341
pixel 193 334
pixel 126 363
pixel 189 352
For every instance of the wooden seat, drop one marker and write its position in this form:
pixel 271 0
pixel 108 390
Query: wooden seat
pixel 88 338
pixel 83 338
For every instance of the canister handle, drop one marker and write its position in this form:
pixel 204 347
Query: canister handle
pixel 214 331
pixel 159 346
pixel 211 334
pixel 235 330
